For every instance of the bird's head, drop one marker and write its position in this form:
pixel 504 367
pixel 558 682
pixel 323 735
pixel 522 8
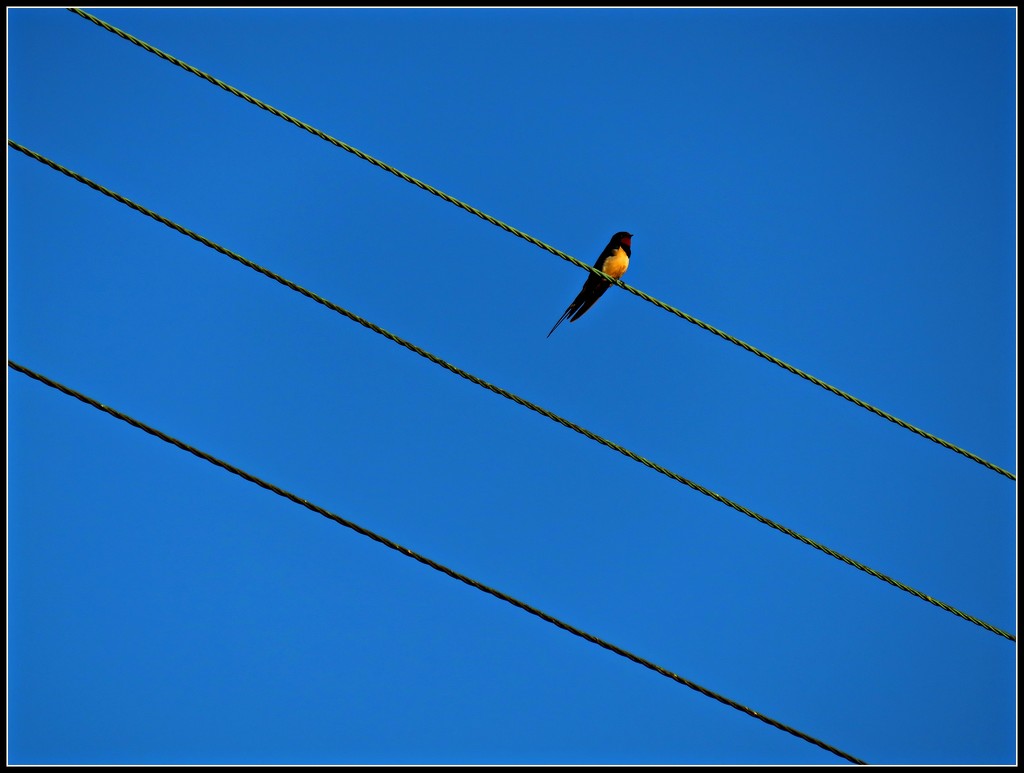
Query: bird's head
pixel 622 237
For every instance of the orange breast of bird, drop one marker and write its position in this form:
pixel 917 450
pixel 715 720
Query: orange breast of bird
pixel 616 264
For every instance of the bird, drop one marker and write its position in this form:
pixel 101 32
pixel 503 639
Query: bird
pixel 614 260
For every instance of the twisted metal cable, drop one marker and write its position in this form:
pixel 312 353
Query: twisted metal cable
pixel 505 393
pixel 432 564
pixel 536 242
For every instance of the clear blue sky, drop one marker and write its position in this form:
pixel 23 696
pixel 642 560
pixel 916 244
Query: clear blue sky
pixel 836 188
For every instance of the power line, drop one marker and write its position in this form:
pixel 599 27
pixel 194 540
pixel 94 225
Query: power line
pixel 536 242
pixel 505 393
pixel 429 562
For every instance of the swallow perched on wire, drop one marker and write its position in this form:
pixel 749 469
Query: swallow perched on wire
pixel 614 261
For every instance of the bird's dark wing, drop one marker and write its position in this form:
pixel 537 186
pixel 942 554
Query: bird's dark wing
pixel 593 289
